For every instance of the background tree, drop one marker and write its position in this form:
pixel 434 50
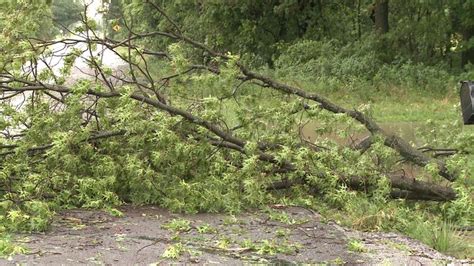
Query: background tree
pixel 379 15
pixel 66 12
pixel 421 31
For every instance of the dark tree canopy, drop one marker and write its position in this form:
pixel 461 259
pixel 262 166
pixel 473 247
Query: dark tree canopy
pixel 430 32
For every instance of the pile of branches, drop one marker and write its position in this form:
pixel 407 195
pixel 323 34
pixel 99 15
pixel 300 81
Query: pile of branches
pixel 148 90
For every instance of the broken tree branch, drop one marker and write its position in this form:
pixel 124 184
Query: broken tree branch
pixel 431 191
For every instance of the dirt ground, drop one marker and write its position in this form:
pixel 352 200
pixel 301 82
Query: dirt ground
pixel 150 235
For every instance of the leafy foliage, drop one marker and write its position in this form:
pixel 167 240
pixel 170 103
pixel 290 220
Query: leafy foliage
pixel 7 248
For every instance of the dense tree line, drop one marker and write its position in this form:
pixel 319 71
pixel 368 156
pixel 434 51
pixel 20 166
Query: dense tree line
pixel 431 32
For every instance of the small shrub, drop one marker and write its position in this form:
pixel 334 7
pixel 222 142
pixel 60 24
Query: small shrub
pixel 8 248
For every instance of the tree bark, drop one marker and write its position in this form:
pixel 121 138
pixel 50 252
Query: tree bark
pixel 380 16
pixel 467 55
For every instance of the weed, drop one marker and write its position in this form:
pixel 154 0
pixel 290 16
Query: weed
pixel 206 229
pixel 194 253
pixel 224 243
pixel 176 237
pixel 355 245
pixel 114 212
pixel 178 225
pixel 441 235
pixel 79 227
pixel 120 237
pixel 8 248
pixel 174 251
pixel 248 243
pixel 267 247
pixel 282 233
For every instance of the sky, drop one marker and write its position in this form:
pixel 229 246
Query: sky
pixel 94 5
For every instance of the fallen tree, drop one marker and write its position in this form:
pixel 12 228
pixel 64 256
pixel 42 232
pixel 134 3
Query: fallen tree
pixel 287 160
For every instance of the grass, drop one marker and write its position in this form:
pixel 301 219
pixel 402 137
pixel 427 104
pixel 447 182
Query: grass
pixel 446 238
pixel 443 237
pixel 282 233
pixel 401 105
pixel 398 246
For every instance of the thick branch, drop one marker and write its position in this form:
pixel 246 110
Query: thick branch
pixel 416 187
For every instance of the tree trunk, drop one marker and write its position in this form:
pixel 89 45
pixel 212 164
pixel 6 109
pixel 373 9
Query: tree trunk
pixel 380 16
pixel 467 55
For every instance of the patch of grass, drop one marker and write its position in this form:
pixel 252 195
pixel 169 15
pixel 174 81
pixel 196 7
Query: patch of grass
pixel 272 247
pixel 238 230
pixel 248 243
pixel 447 239
pixel 178 225
pixel 442 236
pixel 194 253
pixel 120 237
pixel 417 223
pixel 281 217
pixel 415 109
pixel 355 245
